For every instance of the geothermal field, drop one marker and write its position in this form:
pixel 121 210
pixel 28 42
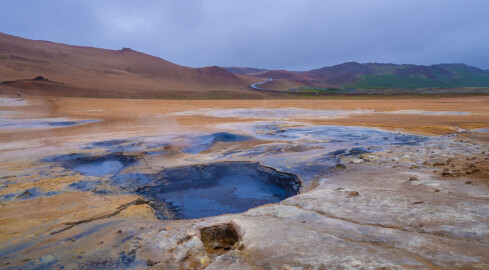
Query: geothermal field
pixel 244 135
pixel 244 184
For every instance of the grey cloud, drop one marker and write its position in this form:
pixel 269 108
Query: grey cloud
pixel 285 34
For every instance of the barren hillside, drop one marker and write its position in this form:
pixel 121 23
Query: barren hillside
pixel 85 71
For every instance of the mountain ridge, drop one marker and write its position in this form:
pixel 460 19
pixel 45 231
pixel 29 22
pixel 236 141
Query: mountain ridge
pixel 384 75
pixel 71 70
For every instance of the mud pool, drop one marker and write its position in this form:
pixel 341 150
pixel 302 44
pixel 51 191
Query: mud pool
pixel 213 189
pixel 186 192
pixel 218 177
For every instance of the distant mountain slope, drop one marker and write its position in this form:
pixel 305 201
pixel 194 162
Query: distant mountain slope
pixel 87 71
pixel 284 74
pixel 245 70
pixel 340 74
pixel 377 76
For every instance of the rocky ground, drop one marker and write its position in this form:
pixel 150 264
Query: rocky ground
pixel 382 201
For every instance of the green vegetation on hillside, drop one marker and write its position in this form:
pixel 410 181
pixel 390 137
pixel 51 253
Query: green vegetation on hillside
pixel 410 76
pixel 392 76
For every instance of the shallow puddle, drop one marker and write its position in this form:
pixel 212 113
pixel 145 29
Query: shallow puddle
pixel 480 130
pixel 342 136
pixel 433 113
pixel 312 151
pixel 23 123
pixel 275 113
pixel 108 164
pixel 100 168
pixel 197 144
pixel 302 113
pixel 7 101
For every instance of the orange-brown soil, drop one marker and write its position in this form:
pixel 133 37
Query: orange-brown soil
pixel 153 117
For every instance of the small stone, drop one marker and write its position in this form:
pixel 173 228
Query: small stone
pixel 413 178
pixel 215 245
pixel 353 194
pixel 437 190
pixel 286 267
pixel 119 231
pixel 470 168
pixel 340 166
pixel 468 182
pixel 70 240
pixel 25 194
pixel 420 202
pixel 447 172
pixel 365 158
pixel 357 161
pixel 414 166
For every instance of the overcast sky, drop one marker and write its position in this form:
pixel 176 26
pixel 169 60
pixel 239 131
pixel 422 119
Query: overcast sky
pixel 274 34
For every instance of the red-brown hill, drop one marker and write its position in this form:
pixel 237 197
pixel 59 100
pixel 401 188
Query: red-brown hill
pixel 87 71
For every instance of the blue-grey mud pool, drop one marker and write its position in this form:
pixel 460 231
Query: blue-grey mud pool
pixel 194 185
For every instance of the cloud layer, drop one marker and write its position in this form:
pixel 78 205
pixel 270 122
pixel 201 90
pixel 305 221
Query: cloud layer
pixel 275 34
